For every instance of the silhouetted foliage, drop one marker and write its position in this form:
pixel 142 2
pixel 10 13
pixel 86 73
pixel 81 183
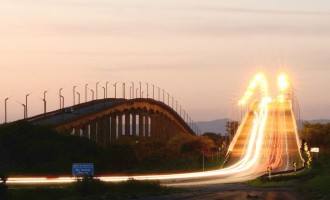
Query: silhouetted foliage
pixel 88 185
pixel 29 149
pixel 3 187
pixel 316 135
pixel 25 148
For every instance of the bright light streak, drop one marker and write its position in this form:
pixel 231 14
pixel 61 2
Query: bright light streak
pixel 282 82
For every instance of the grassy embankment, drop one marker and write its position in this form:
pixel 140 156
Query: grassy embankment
pixel 312 182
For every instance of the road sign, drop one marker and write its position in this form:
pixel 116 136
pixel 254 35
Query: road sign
pixel 81 169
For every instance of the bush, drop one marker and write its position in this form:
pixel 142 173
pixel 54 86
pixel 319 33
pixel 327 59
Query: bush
pixel 88 185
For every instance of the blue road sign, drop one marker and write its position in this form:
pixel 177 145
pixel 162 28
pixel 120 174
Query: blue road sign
pixel 82 169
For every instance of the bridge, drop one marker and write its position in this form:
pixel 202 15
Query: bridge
pixel 266 139
pixel 106 120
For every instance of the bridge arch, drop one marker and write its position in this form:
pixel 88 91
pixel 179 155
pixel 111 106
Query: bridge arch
pixel 105 121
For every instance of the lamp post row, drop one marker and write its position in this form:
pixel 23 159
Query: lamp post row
pixel 105 95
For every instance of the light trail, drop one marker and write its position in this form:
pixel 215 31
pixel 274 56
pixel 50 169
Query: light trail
pixel 263 143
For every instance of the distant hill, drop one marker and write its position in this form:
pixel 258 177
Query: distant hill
pixel 313 121
pixel 215 126
pixel 219 125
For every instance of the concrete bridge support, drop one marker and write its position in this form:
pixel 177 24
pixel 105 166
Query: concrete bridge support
pixel 127 123
pixel 134 124
pixel 113 119
pixel 93 131
pixel 141 122
pixel 120 126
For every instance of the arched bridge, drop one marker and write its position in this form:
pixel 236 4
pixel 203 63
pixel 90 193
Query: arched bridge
pixel 106 120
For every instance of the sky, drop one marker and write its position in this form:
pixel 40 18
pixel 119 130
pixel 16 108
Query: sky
pixel 201 52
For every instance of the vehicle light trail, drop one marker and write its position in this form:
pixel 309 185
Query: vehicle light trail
pixel 260 142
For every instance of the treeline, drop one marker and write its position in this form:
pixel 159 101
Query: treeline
pixel 316 135
pixel 30 149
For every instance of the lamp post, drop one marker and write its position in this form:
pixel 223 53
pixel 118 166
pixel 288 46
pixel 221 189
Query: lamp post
pixel 140 90
pixel 173 103
pixel 26 103
pixel 74 95
pixel 147 90
pixel 6 109
pixel 78 97
pixel 158 93
pixel 45 103
pixel 103 92
pixel 59 93
pixel 106 89
pixel 24 110
pixel 163 95
pixel 124 90
pixel 184 115
pixel 86 92
pixel 115 85
pixel 136 92
pixel 180 110
pixel 153 91
pixel 62 97
pixel 92 94
pixel 97 83
pixel 132 90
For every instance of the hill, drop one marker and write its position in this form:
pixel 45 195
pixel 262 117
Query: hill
pixel 215 126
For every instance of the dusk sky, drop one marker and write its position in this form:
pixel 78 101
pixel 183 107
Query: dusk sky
pixel 203 52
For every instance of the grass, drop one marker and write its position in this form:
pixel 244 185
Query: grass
pixel 87 189
pixel 313 183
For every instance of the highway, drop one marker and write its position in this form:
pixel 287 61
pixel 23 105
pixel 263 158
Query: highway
pixel 267 138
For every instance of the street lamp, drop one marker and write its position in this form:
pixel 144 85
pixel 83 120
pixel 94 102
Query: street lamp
pixel 103 92
pixel 136 92
pixel 132 90
pixel 97 83
pixel 74 95
pixel 163 95
pixel 78 97
pixel 106 89
pixel 147 90
pixel 140 89
pixel 153 91
pixel 6 109
pixel 59 93
pixel 62 97
pixel 92 94
pixel 86 92
pixel 24 110
pixel 124 90
pixel 115 85
pixel 45 103
pixel 26 103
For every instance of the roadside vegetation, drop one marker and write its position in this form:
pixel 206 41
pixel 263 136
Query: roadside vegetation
pixel 89 188
pixel 26 149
